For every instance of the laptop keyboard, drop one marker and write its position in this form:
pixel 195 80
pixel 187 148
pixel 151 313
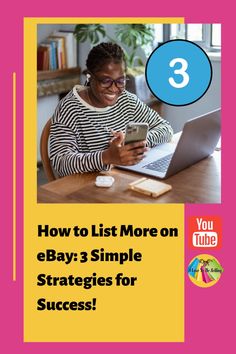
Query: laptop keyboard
pixel 160 165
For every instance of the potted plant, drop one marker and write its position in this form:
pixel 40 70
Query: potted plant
pixel 131 37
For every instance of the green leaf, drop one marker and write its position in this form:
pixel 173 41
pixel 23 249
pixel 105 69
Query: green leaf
pixel 91 32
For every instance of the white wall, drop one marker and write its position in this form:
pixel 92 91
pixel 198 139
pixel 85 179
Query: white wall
pixel 43 31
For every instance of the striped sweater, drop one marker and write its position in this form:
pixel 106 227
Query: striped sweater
pixel 79 132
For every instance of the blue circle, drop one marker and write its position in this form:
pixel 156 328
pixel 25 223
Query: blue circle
pixel 187 80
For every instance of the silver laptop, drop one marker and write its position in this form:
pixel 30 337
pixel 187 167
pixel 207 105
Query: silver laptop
pixel 198 140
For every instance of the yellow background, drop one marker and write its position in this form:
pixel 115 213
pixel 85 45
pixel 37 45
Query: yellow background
pixel 153 309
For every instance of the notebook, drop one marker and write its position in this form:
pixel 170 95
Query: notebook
pixel 198 140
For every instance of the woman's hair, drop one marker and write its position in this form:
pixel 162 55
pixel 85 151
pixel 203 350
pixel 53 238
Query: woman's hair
pixel 103 53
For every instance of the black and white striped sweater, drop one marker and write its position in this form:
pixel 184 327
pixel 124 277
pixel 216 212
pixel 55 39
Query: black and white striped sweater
pixel 79 132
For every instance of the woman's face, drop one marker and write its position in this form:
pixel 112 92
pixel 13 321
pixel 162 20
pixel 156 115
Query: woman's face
pixel 102 96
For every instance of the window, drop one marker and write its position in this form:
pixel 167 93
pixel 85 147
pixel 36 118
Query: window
pixel 216 35
pixel 158 34
pixel 193 32
pixel 208 36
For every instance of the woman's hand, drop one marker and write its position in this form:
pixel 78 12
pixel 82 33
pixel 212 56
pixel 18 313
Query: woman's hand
pixel 120 154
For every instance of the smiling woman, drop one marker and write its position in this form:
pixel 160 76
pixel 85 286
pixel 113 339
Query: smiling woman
pixel 87 131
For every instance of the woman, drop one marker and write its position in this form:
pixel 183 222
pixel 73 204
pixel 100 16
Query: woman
pixel 88 124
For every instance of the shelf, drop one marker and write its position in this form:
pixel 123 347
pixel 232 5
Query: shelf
pixel 57 81
pixel 56 74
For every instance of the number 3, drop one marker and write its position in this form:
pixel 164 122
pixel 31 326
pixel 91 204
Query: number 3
pixel 181 71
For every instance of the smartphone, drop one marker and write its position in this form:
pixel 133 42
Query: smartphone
pixel 135 132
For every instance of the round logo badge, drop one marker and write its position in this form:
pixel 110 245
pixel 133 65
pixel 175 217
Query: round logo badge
pixel 204 270
pixel 178 72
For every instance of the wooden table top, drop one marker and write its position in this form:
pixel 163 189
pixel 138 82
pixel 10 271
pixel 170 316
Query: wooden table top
pixel 200 183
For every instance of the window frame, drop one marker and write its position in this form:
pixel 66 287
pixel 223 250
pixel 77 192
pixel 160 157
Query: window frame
pixel 206 42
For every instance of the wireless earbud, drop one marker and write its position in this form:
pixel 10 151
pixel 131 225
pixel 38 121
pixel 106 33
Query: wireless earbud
pixel 87 79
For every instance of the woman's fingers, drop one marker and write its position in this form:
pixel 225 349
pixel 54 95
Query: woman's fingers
pixel 138 144
pixel 117 139
pixel 120 154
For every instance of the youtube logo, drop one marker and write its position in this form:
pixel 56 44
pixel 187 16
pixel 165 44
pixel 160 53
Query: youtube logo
pixel 205 232
pixel 205 239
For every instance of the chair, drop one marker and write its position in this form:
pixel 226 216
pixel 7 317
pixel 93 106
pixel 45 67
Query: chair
pixel 44 152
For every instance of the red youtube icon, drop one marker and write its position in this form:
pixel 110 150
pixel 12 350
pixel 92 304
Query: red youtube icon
pixel 204 232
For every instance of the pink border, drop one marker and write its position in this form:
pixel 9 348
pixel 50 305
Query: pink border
pixel 208 326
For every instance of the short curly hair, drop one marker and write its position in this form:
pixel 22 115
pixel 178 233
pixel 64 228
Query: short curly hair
pixel 103 53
